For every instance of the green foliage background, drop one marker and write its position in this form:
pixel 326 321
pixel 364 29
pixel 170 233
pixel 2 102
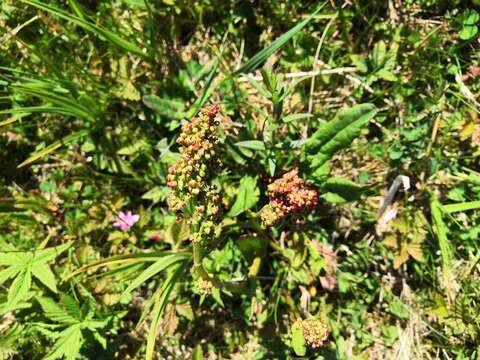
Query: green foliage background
pixel 92 98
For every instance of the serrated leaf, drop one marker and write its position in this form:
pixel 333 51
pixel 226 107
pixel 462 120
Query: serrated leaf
pixel 10 258
pixel 45 255
pixel 247 196
pixel 415 251
pixel 55 312
pixel 401 257
pixel 19 288
pixel 43 273
pixel 344 188
pixel 68 345
pixel 156 194
pixel 9 273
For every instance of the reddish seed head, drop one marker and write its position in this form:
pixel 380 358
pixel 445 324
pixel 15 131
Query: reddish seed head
pixel 212 110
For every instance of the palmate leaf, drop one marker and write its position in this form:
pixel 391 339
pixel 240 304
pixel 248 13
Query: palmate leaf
pixel 333 136
pixel 247 196
pixel 68 345
pixel 45 255
pixel 56 312
pixel 9 341
pixel 22 265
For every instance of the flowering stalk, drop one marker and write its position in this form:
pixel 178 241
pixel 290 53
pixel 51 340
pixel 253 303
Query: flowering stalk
pixel 193 194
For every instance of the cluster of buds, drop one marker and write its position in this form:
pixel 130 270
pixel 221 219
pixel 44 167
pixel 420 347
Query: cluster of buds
pixel 288 195
pixel 315 332
pixel 188 177
pixel 204 287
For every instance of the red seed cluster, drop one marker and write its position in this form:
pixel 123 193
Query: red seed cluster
pixel 189 176
pixel 288 195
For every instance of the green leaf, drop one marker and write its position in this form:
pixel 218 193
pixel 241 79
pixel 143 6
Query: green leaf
pixel 252 144
pixel 154 269
pixel 298 341
pixel 197 353
pixel 277 44
pixel 441 232
pixel 54 146
pixel 136 258
pixel 160 304
pixel 207 87
pixel 171 109
pixel 89 26
pixel 333 136
pixel 63 104
pixel 296 117
pixel 343 188
pixel 177 232
pixel 45 255
pixel 68 345
pixel 469 29
pixel 10 258
pixel 464 206
pixel 247 196
pixel 43 273
pixel 55 312
pixel 10 272
pixel 19 288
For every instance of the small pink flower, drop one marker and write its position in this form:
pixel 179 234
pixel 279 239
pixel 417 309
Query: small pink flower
pixel 125 220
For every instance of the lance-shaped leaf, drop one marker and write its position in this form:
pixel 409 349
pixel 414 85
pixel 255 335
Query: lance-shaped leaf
pixel 247 196
pixel 333 136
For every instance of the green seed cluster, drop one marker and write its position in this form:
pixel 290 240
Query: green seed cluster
pixel 190 177
pixel 204 287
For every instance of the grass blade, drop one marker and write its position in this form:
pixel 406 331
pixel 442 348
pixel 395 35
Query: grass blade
pixel 88 26
pixel 277 44
pixel 54 146
pixel 153 270
pixel 441 232
pixel 163 296
pixel 464 206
